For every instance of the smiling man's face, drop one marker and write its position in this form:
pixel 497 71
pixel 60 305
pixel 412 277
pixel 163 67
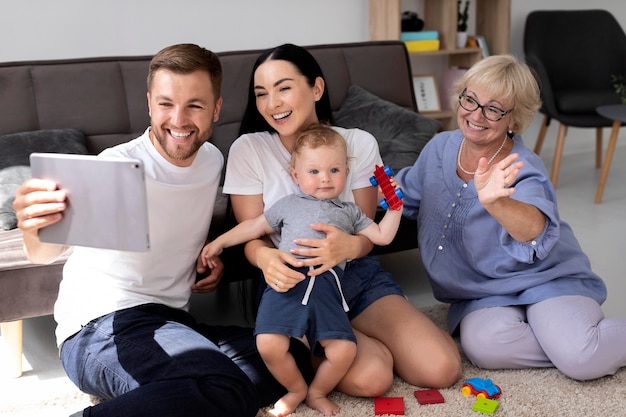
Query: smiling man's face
pixel 183 110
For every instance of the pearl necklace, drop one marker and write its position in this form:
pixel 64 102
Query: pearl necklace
pixel 458 158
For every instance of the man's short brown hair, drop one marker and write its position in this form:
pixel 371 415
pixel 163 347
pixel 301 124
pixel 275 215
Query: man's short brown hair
pixel 186 58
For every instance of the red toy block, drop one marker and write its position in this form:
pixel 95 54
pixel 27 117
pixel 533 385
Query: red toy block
pixel 429 396
pixel 392 195
pixel 389 405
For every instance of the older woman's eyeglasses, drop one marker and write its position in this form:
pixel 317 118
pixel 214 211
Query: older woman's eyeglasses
pixel 490 113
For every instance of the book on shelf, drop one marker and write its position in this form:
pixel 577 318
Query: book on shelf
pixel 422 46
pixel 482 43
pixel 423 35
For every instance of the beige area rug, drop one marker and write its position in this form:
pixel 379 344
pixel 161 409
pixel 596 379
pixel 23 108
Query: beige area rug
pixel 525 393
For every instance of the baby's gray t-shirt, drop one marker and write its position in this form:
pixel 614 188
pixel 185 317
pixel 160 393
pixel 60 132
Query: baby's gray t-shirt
pixel 292 216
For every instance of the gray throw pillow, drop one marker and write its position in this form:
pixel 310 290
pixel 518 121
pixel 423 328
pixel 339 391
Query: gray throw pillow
pixel 15 165
pixel 401 133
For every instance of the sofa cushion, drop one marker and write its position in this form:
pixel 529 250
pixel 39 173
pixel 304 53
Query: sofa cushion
pixel 401 133
pixel 15 164
pixel 10 179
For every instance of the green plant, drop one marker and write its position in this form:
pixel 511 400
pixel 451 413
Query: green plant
pixel 619 84
pixel 463 15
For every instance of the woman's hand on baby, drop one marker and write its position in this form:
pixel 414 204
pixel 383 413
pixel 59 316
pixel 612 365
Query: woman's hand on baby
pixel 323 254
pixel 275 266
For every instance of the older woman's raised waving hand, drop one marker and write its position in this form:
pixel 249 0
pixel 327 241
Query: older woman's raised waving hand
pixel 494 185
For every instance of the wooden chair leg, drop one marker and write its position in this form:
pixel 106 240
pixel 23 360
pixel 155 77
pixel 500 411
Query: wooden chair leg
pixel 12 335
pixel 558 153
pixel 607 160
pixel 542 134
pixel 598 147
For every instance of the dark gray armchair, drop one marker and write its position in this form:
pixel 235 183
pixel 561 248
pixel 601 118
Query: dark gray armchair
pixel 575 53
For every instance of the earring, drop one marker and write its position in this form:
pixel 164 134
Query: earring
pixel 510 134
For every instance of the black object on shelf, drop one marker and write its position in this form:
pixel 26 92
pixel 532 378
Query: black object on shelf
pixel 411 22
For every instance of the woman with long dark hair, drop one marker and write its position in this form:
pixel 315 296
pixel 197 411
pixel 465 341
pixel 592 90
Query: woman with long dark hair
pixel 287 93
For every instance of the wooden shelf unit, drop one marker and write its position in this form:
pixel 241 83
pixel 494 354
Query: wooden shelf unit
pixel 492 20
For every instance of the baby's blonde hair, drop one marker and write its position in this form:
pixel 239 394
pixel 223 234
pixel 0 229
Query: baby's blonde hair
pixel 315 136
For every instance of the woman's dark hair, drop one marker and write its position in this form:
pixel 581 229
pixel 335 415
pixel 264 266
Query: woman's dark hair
pixel 306 64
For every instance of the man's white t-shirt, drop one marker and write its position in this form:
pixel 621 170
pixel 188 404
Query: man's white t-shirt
pixel 180 205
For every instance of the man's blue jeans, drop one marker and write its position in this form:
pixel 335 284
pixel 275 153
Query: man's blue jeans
pixel 153 360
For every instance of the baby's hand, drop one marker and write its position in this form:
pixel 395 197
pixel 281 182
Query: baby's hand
pixel 209 255
pixel 395 185
pixel 211 262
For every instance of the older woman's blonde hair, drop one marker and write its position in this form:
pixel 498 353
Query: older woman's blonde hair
pixel 504 77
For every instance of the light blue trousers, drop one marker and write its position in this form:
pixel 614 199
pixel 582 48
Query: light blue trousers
pixel 567 332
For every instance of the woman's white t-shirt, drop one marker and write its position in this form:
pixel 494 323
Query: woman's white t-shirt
pixel 258 163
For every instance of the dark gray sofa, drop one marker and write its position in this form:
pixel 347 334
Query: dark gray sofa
pixel 105 98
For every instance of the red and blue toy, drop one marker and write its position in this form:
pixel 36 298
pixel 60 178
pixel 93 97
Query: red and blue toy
pixel 481 388
pixel 393 196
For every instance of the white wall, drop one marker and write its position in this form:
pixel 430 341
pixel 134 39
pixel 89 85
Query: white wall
pixel 44 29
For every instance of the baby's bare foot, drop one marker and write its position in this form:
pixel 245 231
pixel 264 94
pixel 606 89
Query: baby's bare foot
pixel 287 404
pixel 323 405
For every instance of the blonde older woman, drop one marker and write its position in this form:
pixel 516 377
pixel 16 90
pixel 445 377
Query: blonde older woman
pixel 521 290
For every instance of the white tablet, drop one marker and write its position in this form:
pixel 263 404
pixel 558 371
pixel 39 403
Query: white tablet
pixel 107 206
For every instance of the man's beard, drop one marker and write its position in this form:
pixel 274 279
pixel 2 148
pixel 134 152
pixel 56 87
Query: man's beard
pixel 178 152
